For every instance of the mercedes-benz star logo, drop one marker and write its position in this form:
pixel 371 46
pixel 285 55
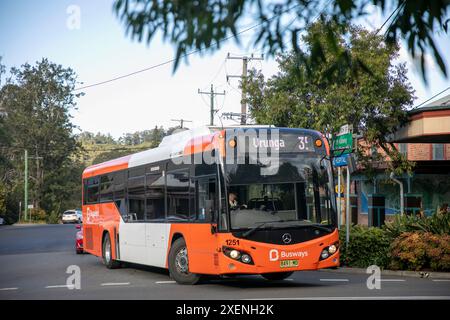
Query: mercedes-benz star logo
pixel 287 238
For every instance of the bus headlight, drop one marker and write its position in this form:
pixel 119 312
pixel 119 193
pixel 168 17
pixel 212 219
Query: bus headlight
pixel 246 258
pixel 235 254
pixel 325 254
pixel 328 251
pixel 332 249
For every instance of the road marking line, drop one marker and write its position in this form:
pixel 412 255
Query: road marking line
pixel 61 286
pixel 335 280
pixel 115 284
pixel 391 280
pixel 8 289
pixel 441 280
pixel 165 282
pixel 360 298
pixel 289 279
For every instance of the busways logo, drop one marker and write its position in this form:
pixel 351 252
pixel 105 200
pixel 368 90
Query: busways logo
pixel 275 255
pixel 92 216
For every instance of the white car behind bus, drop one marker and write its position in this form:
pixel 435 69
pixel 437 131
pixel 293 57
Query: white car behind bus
pixel 72 216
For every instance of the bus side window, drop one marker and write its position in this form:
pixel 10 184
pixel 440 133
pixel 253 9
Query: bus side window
pixel 136 197
pixel 106 188
pixel 119 193
pixel 206 199
pixel 92 190
pixel 178 195
pixel 154 197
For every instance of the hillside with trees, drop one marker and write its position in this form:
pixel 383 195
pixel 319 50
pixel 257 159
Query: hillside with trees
pixel 35 105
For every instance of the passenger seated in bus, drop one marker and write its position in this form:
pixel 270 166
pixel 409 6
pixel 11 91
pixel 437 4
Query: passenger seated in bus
pixel 233 203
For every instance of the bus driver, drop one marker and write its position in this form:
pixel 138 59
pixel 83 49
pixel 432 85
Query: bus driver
pixel 233 203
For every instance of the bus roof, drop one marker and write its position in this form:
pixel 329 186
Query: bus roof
pixel 171 146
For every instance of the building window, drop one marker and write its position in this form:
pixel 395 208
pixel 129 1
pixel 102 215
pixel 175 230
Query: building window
pixel 403 148
pixel 438 151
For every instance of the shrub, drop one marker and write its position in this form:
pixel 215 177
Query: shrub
pixel 420 250
pixel 436 224
pixel 53 218
pixel 38 214
pixel 367 246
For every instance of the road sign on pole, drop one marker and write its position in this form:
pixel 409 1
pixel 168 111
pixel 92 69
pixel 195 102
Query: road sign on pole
pixel 343 141
pixel 343 147
pixel 340 161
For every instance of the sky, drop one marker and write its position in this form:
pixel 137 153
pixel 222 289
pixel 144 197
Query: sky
pixel 100 50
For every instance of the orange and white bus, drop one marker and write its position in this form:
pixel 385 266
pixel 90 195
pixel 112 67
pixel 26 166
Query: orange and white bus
pixel 217 201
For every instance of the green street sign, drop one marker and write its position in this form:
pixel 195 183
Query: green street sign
pixel 344 141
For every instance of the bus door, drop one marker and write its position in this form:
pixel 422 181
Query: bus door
pixel 157 231
pixel 203 238
pixel 132 228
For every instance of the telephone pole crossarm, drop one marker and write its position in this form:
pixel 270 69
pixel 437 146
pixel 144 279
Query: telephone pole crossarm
pixel 211 106
pixel 181 121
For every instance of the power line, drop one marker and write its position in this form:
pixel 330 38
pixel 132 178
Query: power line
pixel 437 94
pixel 218 72
pixel 401 4
pixel 186 54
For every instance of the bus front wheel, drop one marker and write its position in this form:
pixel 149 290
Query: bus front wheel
pixel 179 264
pixel 108 261
pixel 277 275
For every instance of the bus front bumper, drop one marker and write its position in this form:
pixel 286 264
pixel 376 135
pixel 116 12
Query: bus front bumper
pixel 270 258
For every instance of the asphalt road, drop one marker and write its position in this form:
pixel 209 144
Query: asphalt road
pixel 34 260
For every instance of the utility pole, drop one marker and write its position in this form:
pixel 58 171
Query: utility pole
pixel 245 60
pixel 25 205
pixel 181 121
pixel 347 209
pixel 39 178
pixel 339 204
pixel 212 94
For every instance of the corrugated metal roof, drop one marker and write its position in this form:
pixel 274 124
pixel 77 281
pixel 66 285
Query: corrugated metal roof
pixel 440 104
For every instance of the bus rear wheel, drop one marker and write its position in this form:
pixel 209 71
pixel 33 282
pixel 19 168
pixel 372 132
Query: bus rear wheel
pixel 107 254
pixel 179 264
pixel 277 275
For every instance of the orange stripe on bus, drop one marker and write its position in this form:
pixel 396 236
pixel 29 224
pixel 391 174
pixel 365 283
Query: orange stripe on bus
pixel 107 167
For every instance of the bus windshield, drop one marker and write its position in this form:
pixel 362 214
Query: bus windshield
pixel 300 193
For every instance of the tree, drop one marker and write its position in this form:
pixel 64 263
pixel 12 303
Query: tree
pixel 330 97
pixel 38 100
pixel 202 25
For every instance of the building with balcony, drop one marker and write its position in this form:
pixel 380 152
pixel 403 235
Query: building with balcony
pixel 425 139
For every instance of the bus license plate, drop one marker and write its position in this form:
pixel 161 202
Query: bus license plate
pixel 288 263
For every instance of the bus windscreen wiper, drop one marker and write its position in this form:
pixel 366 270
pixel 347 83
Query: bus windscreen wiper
pixel 317 227
pixel 314 225
pixel 249 232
